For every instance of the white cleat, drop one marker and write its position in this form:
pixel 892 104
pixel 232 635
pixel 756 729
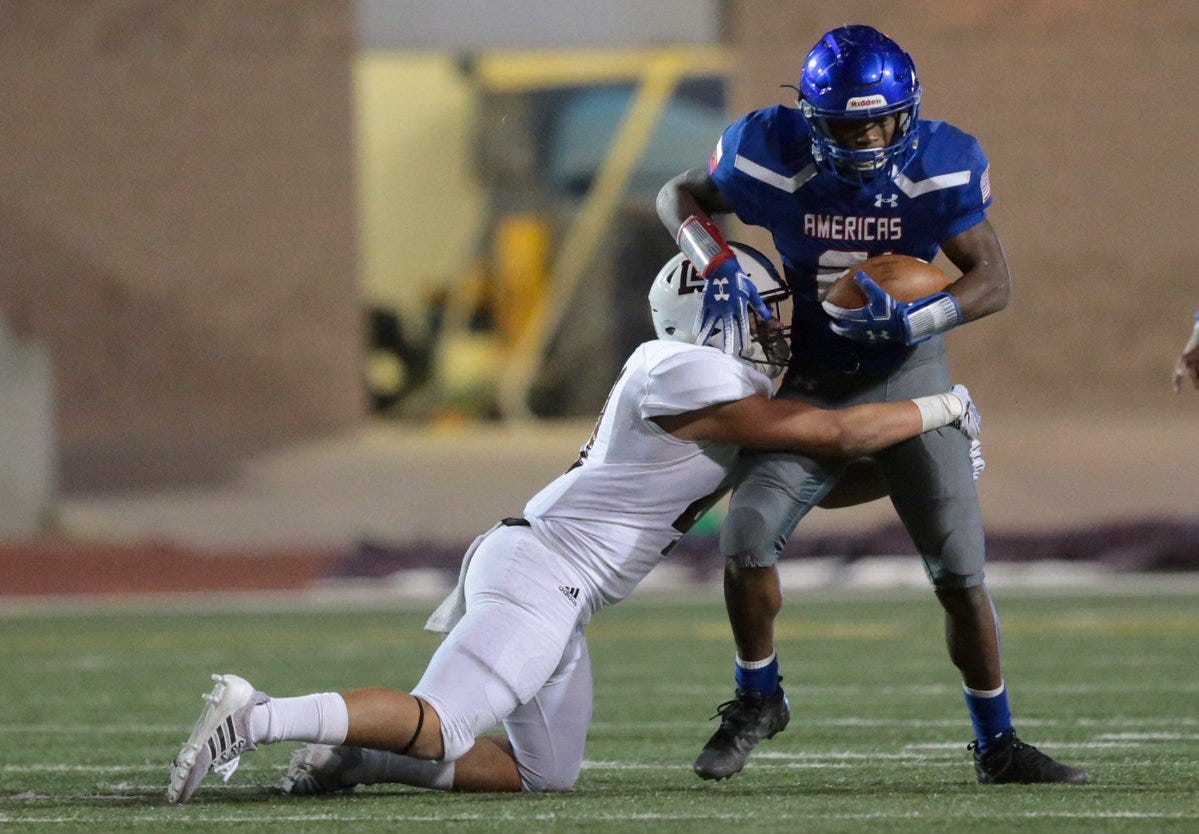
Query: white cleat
pixel 221 735
pixel 322 768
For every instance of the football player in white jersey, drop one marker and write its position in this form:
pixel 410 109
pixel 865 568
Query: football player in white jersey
pixel 515 652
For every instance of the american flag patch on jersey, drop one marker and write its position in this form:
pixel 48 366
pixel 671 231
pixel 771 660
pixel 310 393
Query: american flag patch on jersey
pixel 714 159
pixel 985 183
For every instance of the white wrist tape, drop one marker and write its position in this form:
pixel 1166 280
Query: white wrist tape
pixel 938 410
pixel 703 244
pixel 936 317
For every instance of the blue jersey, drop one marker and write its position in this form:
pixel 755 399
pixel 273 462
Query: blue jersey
pixel 763 167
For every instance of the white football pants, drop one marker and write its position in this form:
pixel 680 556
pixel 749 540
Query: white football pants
pixel 518 656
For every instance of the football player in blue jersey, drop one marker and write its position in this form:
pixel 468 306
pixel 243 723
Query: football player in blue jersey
pixel 851 172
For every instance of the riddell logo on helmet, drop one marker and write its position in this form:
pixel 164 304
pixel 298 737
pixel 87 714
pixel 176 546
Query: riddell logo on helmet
pixel 865 103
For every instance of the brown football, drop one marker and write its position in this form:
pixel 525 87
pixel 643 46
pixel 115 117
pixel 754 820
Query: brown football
pixel 904 277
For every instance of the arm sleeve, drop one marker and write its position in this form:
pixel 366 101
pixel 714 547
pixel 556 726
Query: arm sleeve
pixel 695 379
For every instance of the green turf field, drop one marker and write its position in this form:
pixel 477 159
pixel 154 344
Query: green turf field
pixel 96 703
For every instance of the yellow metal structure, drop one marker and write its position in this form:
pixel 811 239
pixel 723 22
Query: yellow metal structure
pixel 520 258
pixel 657 73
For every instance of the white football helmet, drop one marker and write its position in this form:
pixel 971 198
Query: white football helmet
pixel 678 291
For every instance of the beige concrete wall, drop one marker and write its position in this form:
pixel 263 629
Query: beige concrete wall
pixel 1088 114
pixel 177 226
pixel 421 203
pixel 177 206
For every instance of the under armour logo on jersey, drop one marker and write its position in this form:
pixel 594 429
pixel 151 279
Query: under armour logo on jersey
pixel 721 284
pixel 880 200
pixel 572 594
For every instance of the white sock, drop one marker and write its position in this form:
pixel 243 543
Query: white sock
pixel 321 718
pixel 756 664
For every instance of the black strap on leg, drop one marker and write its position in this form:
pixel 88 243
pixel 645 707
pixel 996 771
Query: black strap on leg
pixel 515 522
pixel 420 722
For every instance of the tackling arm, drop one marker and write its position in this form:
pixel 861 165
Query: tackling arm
pixel 863 480
pixel 765 424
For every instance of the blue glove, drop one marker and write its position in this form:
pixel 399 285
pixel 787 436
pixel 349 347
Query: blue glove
pixel 886 319
pixel 729 296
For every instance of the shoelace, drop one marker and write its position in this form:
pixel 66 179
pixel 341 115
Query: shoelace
pixel 1017 747
pixel 739 716
pixel 1028 750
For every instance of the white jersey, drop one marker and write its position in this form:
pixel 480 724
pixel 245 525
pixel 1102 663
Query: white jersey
pixel 637 488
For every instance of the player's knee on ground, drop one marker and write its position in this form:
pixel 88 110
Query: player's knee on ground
pixel 457 736
pixel 458 730
pixel 553 781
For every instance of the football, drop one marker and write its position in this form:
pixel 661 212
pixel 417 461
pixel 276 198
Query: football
pixel 903 277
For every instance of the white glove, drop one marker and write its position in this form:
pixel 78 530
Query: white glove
pixel 976 457
pixel 971 421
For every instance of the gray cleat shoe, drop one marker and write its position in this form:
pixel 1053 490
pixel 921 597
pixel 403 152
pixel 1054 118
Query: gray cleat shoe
pixel 745 722
pixel 322 768
pixel 1013 761
pixel 220 736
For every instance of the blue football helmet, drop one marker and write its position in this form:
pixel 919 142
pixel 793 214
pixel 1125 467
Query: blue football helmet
pixel 858 73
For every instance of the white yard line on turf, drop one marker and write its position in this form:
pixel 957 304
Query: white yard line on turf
pixel 1113 723
pixel 175 820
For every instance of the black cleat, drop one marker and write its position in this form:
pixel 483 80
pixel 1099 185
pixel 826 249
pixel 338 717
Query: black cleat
pixel 744 722
pixel 1012 761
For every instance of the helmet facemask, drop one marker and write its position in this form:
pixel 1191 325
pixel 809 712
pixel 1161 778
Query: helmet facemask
pixel 868 166
pixel 769 349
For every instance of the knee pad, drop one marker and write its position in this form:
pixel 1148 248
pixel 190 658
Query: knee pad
pixel 961 560
pixel 457 736
pixel 768 504
pixel 944 580
pixel 746 541
pixel 550 782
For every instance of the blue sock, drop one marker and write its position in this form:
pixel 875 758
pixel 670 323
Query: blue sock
pixel 990 713
pixel 761 676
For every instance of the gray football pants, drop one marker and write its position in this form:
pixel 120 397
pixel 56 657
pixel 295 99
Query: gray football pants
pixel 931 479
